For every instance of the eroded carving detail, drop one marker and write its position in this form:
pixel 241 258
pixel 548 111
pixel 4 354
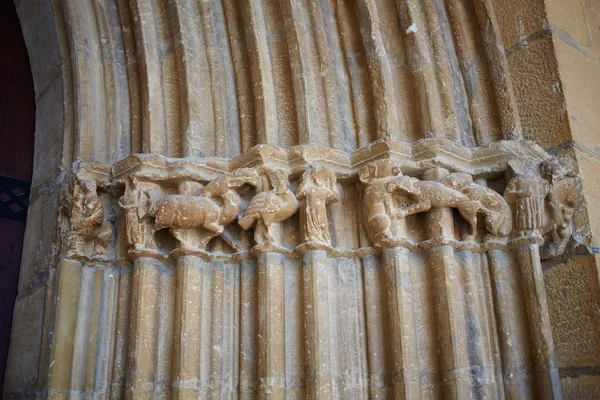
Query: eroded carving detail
pixel 199 213
pixel 564 197
pixel 91 233
pixel 544 204
pixel 273 203
pixel 318 187
pixel 139 202
pixel 456 190
pixel 481 200
pixel 379 205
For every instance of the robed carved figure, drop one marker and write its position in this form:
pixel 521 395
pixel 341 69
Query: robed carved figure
pixel 318 187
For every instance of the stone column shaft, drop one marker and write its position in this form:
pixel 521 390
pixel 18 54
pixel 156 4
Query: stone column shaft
pixel 404 344
pixel 538 317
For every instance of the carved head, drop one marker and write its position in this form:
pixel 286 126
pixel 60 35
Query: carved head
pixel 321 179
pixel 379 169
pixel 278 179
pixel 457 180
pixel 555 168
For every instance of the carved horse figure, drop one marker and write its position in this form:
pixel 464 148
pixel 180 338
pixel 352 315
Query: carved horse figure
pixel 205 210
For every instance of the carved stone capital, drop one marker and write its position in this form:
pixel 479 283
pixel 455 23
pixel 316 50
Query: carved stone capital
pixel 543 199
pixel 199 213
pixel 317 188
pixel 90 218
pixel 139 203
pixel 272 204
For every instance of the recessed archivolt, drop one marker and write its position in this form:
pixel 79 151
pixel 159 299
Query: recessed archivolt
pixel 188 79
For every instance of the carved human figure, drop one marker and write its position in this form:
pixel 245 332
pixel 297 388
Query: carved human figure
pixel 317 188
pixel 197 214
pixel 91 230
pixel 527 193
pixel 273 203
pixel 482 200
pixel 379 204
pixel 139 202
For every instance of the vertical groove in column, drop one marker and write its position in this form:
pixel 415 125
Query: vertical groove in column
pixel 421 61
pixel 295 373
pixel 318 357
pixel 132 75
pixel 222 80
pixel 144 323
pixel 186 350
pixel 335 345
pixel 160 93
pixel 481 344
pixel 305 72
pixel 450 308
pixel 69 281
pixel 271 73
pixel 89 88
pixel 545 369
pixel 494 57
pixel 243 75
pixel 456 83
pixel 271 326
pixel 511 317
pixel 231 331
pixel 394 110
pixel 249 325
pixel 333 73
pixel 476 75
pixel 118 129
pixel 84 334
pixel 197 115
pixel 361 94
pixel 375 313
pixel 404 347
pixel 121 329
pixel 103 362
pixel 165 315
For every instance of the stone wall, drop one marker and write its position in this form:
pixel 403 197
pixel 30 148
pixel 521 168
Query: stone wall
pixel 309 199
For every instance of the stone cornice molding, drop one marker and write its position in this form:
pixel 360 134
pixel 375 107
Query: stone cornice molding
pixel 415 158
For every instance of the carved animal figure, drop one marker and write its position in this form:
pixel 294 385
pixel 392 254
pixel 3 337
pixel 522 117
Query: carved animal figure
pixel 456 191
pixel 564 197
pixel 210 208
pixel 378 203
pixel 139 202
pixel 89 223
pixel 269 206
pixel 482 200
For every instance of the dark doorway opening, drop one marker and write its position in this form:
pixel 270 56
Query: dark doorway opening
pixel 17 126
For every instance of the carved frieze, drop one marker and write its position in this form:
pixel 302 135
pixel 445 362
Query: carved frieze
pixel 196 201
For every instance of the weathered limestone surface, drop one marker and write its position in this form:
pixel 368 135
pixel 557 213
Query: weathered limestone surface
pixel 302 199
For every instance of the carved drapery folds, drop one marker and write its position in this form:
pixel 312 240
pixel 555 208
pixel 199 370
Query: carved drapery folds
pixel 394 240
